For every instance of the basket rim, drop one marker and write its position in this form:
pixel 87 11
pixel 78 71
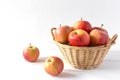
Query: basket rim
pixel 109 44
pixel 78 47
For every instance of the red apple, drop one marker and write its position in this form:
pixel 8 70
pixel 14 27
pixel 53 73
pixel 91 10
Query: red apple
pixel 98 36
pixel 53 65
pixel 82 24
pixel 31 53
pixel 61 33
pixel 79 37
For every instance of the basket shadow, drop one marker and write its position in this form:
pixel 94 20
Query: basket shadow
pixel 112 62
pixel 110 65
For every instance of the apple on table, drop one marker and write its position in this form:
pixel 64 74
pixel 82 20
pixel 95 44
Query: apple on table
pixel 31 53
pixel 53 65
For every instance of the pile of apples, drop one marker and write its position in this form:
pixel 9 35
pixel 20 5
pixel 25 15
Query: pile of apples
pixel 82 33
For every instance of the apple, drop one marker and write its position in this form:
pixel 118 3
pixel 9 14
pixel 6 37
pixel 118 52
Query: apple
pixel 31 53
pixel 53 65
pixel 61 33
pixel 83 24
pixel 98 36
pixel 79 37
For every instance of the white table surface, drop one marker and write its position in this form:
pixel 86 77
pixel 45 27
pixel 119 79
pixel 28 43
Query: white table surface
pixel 29 21
pixel 14 67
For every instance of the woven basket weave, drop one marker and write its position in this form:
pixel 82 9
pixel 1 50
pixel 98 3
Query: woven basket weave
pixel 85 57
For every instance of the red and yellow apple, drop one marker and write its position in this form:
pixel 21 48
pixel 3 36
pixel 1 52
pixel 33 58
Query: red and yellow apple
pixel 31 53
pixel 79 37
pixel 53 65
pixel 83 24
pixel 61 33
pixel 98 36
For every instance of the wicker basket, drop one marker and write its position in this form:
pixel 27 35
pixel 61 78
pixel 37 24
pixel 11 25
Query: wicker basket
pixel 85 57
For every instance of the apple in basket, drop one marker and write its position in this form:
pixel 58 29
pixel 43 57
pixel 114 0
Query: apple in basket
pixel 79 37
pixel 31 53
pixel 83 24
pixel 98 36
pixel 53 65
pixel 61 33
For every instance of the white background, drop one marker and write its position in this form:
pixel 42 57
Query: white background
pixel 30 21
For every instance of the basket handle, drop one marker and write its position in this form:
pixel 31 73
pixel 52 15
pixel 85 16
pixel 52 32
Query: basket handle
pixel 112 40
pixel 52 29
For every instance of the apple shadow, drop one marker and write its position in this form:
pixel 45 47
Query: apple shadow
pixel 41 60
pixel 67 74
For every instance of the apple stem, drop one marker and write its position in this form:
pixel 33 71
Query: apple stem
pixel 60 25
pixel 101 25
pixel 49 60
pixel 30 45
pixel 76 33
pixel 81 19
